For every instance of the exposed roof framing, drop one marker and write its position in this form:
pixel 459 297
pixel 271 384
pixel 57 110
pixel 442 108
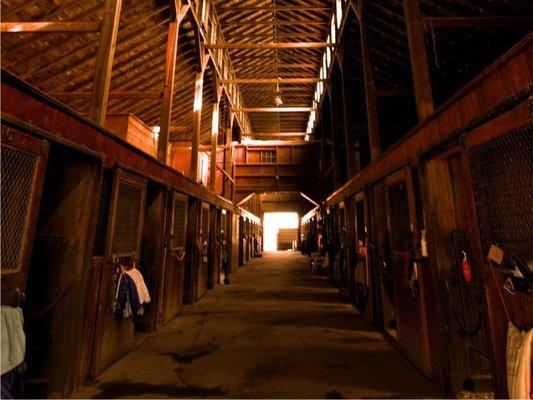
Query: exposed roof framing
pixel 272 48
pixel 56 43
pixel 276 47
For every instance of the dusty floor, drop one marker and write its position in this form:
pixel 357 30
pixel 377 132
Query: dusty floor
pixel 275 332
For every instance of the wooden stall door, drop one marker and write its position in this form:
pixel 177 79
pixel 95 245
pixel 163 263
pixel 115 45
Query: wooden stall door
pixel 411 321
pixel 114 335
pixel 175 258
pixel 385 307
pixel 242 241
pixel 203 256
pixel 501 174
pixel 468 364
pixel 23 161
pixel 362 276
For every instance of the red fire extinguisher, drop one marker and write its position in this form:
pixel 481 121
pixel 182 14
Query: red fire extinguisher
pixel 467 269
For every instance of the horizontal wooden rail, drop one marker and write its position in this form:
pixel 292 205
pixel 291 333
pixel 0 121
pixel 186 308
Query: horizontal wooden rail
pixel 36 27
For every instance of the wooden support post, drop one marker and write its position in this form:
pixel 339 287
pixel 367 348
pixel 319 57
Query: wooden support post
pixel 227 162
pixel 419 59
pixel 352 159
pixel 168 90
pixel 332 130
pixel 370 88
pixel 352 143
pixel 104 61
pixel 196 125
pixel 214 140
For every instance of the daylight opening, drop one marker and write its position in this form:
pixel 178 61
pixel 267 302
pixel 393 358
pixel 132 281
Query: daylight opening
pixel 280 230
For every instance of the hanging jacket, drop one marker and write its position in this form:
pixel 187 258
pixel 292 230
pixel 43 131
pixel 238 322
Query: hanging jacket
pixel 142 290
pixel 13 338
pixel 127 297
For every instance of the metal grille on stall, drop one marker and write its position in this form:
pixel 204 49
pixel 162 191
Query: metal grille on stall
pixel 399 216
pixel 127 218
pixel 179 222
pixel 18 174
pixel 501 175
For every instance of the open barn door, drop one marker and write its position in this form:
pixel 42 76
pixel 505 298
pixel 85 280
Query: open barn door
pixel 114 335
pixel 23 161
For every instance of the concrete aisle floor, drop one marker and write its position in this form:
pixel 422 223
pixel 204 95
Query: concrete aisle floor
pixel 276 332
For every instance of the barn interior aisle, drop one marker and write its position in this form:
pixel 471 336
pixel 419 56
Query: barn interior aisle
pixel 155 153
pixel 274 332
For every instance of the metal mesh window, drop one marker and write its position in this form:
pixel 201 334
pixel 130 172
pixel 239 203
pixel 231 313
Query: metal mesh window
pixel 502 181
pixel 399 217
pixel 360 220
pixel 205 222
pixel 179 223
pixel 127 218
pixel 18 174
pixel 268 156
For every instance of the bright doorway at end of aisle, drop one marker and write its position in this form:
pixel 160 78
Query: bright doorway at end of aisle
pixel 280 230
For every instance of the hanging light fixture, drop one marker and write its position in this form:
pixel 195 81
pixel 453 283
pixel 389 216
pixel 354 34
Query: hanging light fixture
pixel 277 96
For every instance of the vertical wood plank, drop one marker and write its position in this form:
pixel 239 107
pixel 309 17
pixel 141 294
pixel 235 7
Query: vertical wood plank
pixel 104 61
pixel 168 90
pixel 214 140
pixel 197 123
pixel 352 161
pixel 370 88
pixel 419 59
pixel 227 163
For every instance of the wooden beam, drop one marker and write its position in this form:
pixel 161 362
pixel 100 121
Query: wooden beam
pixel 214 139
pixel 104 61
pixel 392 92
pixel 227 161
pixel 273 109
pixel 240 203
pixel 177 10
pixel 419 59
pixel 370 88
pixel 309 199
pixel 180 129
pixel 477 22
pixel 272 80
pixel 276 46
pixel 197 122
pixel 225 173
pixel 168 90
pixel 155 94
pixel 231 7
pixel 280 134
pixel 275 23
pixel 38 27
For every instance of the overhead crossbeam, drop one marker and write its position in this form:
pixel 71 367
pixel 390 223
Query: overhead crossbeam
pixel 273 109
pixel 37 27
pixel 477 22
pixel 274 8
pixel 271 80
pixel 277 46
pixel 112 95
pixel 280 134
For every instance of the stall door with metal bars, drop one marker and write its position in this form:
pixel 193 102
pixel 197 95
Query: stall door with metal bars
pixel 175 258
pixel 411 322
pixel 114 335
pixel 23 159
